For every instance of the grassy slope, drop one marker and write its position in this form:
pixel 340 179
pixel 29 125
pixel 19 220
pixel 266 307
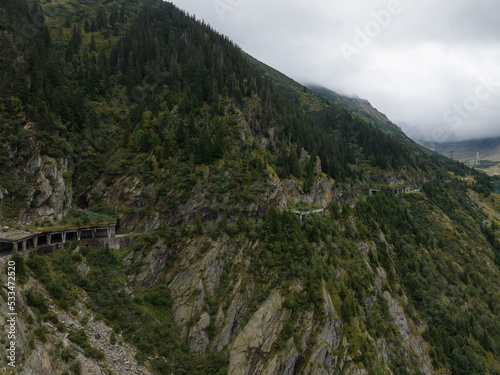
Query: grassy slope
pixel 315 99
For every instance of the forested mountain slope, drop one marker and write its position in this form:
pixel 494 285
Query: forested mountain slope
pixel 316 100
pixel 136 108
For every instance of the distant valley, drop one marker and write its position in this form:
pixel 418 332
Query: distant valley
pixel 264 227
pixel 467 152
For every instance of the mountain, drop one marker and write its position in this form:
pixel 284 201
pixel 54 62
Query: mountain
pixel 467 152
pixel 261 232
pixel 364 109
pixel 312 100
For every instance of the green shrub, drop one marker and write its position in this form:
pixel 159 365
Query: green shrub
pixel 37 300
pixel 41 333
pixel 78 337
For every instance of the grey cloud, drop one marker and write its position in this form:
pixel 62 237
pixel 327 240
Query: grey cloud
pixel 424 62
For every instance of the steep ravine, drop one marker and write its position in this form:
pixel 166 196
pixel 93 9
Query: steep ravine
pixel 43 347
pixel 252 336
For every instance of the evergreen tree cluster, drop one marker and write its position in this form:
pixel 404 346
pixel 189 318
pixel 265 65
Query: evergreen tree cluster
pixel 125 79
pixel 141 89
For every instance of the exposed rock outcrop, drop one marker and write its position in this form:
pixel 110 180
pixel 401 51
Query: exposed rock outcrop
pixel 140 198
pixel 412 342
pixel 257 337
pixel 51 195
pixel 37 357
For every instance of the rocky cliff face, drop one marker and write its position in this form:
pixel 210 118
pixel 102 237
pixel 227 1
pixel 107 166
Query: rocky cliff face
pixel 267 338
pixel 217 304
pixel 322 192
pixel 43 347
pixel 258 329
pixel 51 192
pixel 412 340
pixel 172 197
pixel 148 209
pixel 48 185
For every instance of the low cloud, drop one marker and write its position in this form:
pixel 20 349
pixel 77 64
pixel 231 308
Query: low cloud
pixel 421 61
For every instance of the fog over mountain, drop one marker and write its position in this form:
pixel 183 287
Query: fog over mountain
pixel 170 204
pixel 433 68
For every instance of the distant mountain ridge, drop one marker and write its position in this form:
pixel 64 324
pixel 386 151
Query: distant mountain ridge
pixel 314 99
pixel 134 111
pixel 488 148
pixel 467 152
pixel 361 107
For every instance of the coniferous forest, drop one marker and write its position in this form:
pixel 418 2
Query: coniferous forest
pixel 135 112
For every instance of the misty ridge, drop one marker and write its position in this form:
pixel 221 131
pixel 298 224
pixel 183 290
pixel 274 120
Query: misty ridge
pixel 419 63
pixel 187 188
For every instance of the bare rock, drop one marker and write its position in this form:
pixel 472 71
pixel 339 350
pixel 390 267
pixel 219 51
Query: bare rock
pixel 324 356
pixel 317 166
pixel 83 269
pixel 228 323
pixel 322 193
pixel 292 191
pixel 398 317
pixel 410 340
pixel 198 338
pixel 257 336
pixel 50 193
pixel 38 363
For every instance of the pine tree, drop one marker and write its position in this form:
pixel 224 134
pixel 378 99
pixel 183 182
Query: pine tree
pixel 74 43
pixel 101 19
pixel 218 149
pixel 92 46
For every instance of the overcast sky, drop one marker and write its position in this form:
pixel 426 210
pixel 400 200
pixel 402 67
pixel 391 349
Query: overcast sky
pixel 433 67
